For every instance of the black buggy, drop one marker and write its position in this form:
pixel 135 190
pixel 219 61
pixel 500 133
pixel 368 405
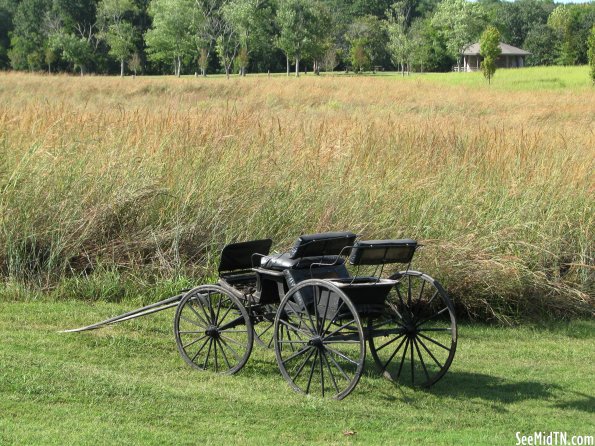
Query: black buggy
pixel 316 314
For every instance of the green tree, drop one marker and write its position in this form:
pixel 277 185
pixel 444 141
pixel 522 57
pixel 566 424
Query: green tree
pixel 399 44
pixel 227 46
pixel 560 20
pixel 297 22
pixel 515 20
pixel 246 19
pixel 118 31
pixel 541 42
pixel 489 48
pixel 370 32
pixel 7 11
pixel 209 28
pixel 172 36
pixel 460 23
pixel 75 50
pixel 360 60
pixel 28 37
pixel 591 53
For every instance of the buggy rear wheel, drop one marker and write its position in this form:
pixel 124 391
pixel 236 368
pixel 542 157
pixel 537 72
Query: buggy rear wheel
pixel 319 340
pixel 213 330
pixel 415 341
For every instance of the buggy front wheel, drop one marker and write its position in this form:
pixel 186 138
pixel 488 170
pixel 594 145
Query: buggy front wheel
pixel 213 330
pixel 319 340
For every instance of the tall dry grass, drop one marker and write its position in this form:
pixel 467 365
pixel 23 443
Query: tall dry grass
pixel 111 187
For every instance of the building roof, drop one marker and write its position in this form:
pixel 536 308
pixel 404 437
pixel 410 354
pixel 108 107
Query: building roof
pixel 507 50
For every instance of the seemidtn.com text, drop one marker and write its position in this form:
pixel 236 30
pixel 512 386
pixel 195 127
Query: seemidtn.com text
pixel 553 439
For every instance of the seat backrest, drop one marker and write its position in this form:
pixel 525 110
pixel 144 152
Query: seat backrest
pixel 379 252
pixel 238 256
pixel 326 243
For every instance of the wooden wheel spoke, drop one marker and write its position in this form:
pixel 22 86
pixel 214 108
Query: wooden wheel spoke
pixel 423 364
pixel 185 346
pixel 312 367
pixel 269 326
pixel 202 307
pixel 235 341
pixel 412 364
pixel 223 354
pixel 330 372
pixel 394 353
pixel 294 328
pixel 320 333
pixel 438 313
pixel 396 338
pixel 321 373
pixel 299 352
pixel 432 298
pixel 302 365
pixel 419 296
pixel 403 358
pixel 226 313
pixel 218 310
pixel 340 328
pixel 198 316
pixel 215 354
pixel 336 364
pixel 434 341
pixel 430 353
pixel 208 353
pixel 341 355
pixel 192 322
pixel 316 302
pixel 200 350
pixel 334 317
pixel 303 316
pixel 233 352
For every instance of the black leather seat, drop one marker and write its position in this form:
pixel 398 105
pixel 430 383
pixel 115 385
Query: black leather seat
pixel 280 262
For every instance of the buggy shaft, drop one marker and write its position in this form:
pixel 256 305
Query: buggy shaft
pixel 143 311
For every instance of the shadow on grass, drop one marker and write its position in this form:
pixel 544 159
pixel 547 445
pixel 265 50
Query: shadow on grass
pixel 584 403
pixel 466 385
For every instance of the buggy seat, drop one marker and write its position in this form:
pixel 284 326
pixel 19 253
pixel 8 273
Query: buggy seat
pixel 310 250
pixel 314 256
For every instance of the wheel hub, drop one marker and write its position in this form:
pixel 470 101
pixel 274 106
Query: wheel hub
pixel 212 331
pixel 411 330
pixel 316 342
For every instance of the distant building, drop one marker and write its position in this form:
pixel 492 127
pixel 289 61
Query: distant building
pixel 511 57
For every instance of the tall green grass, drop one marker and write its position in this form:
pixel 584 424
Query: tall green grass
pixel 111 188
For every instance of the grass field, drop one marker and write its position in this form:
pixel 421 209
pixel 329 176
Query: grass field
pixel 128 385
pixel 116 189
pixel 116 192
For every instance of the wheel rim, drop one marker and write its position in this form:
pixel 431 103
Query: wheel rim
pixel 414 342
pixel 319 340
pixel 213 330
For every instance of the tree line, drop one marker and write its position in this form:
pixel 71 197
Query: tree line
pixel 226 36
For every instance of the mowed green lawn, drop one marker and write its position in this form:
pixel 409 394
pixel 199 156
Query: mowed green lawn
pixel 127 385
